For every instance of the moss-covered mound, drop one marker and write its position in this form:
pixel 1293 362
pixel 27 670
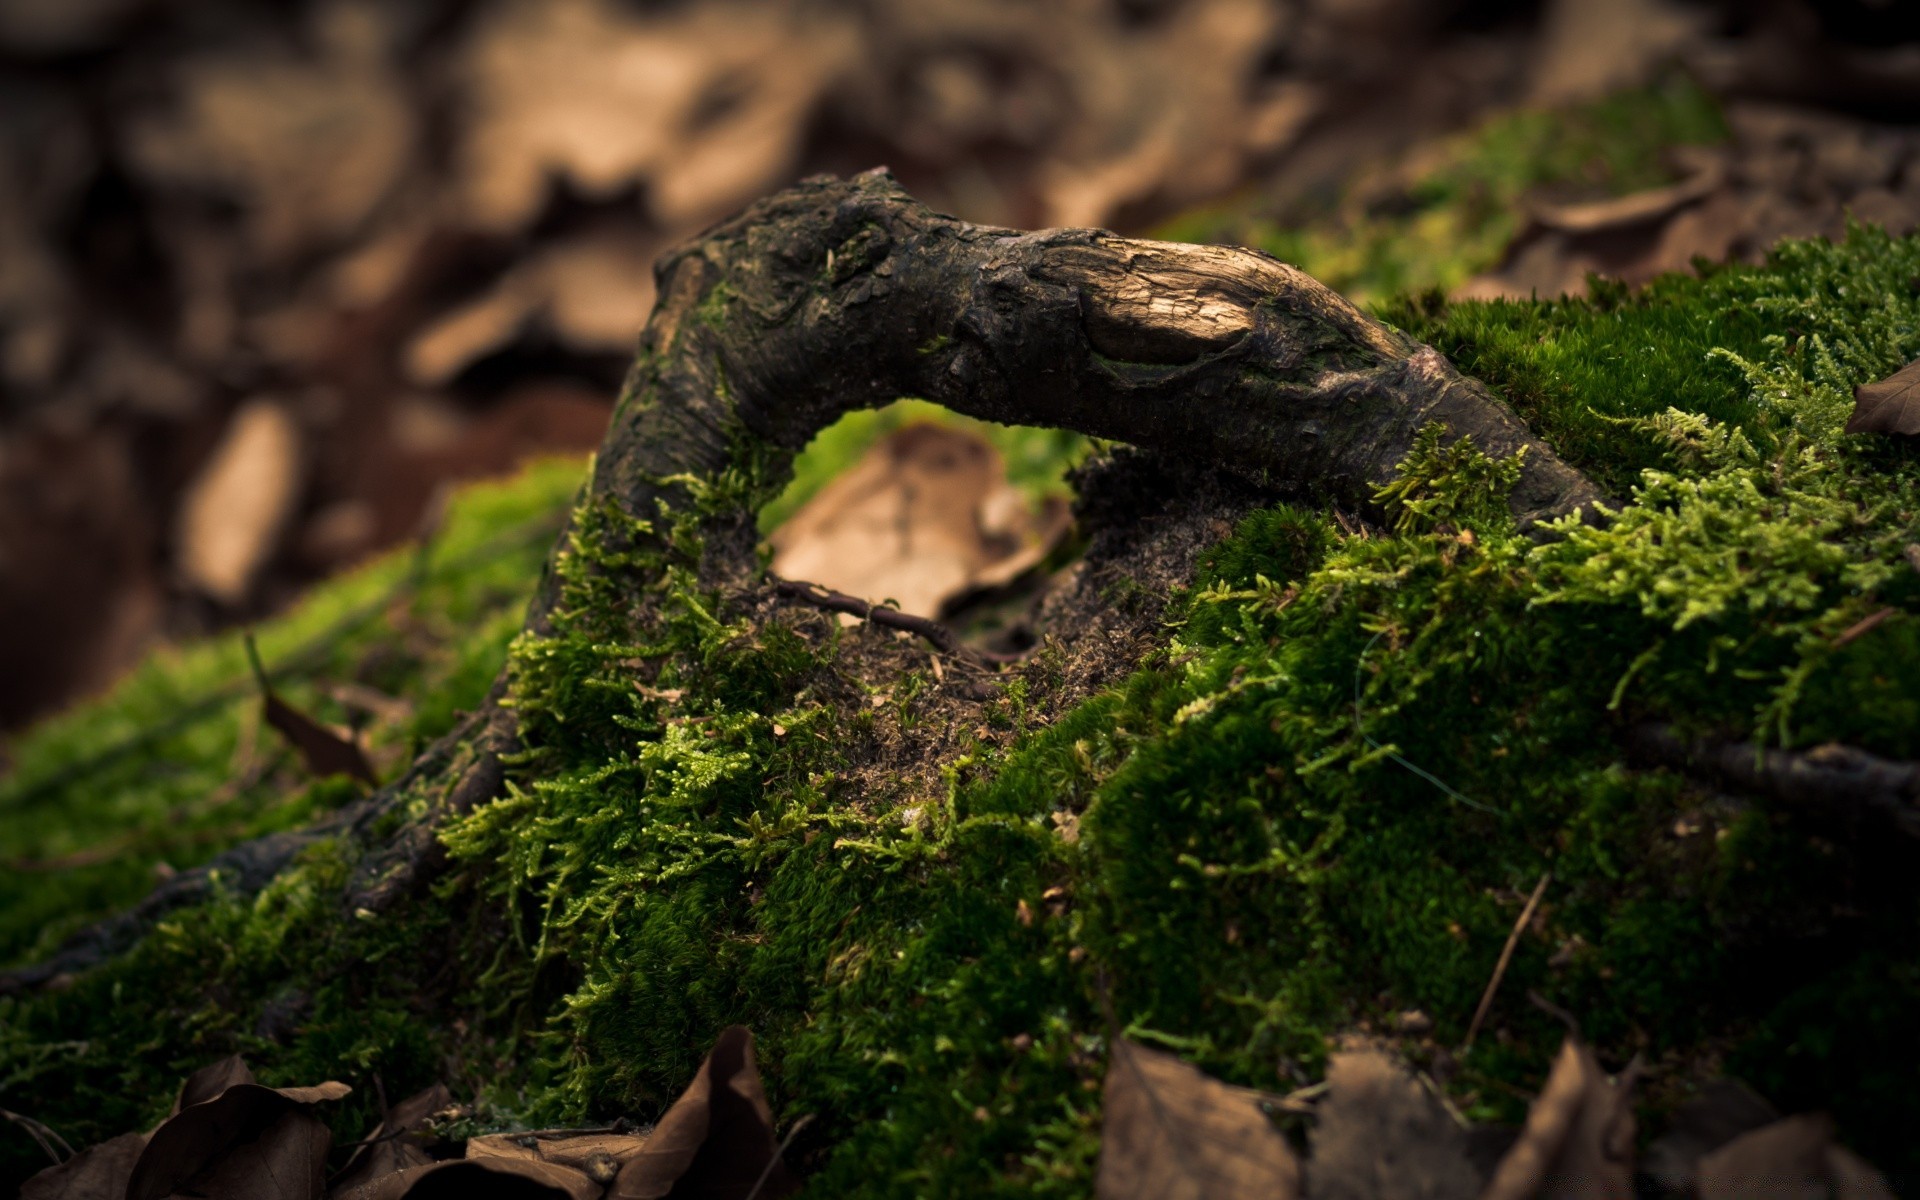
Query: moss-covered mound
pixel 1336 763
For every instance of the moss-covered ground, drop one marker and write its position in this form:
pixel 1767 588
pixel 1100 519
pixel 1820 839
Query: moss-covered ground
pixel 1320 800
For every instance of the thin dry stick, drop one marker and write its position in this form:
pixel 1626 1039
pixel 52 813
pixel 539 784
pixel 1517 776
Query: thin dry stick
pixel 1506 956
pixel 943 638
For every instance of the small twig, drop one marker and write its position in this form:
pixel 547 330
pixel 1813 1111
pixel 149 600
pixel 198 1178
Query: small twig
pixel 39 1132
pixel 942 638
pixel 1506 956
pixel 1555 1011
pixel 779 1152
pixel 1863 625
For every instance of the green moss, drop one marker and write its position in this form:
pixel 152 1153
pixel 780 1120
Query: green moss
pixel 173 765
pixel 1321 801
pixel 1452 214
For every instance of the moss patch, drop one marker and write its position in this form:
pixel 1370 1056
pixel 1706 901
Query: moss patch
pixel 1341 763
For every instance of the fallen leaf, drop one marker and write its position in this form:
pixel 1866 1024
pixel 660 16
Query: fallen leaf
pixel 717 1139
pixel 96 1173
pixel 597 1154
pixel 232 515
pixel 1722 1111
pixel 391 1146
pixel 209 1081
pixel 323 751
pixel 1578 1139
pixel 1891 405
pixel 1173 1133
pixel 306 145
pixel 481 1179
pixel 924 517
pixel 1790 1158
pixel 235 1138
pixel 1382 1135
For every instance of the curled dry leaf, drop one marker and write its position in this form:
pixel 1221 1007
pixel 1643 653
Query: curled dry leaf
pixel 96 1173
pixel 926 516
pixel 233 1138
pixel 1578 1140
pixel 1384 1135
pixel 393 1145
pixel 1174 1133
pixel 1635 208
pixel 1890 406
pixel 1790 1158
pixel 717 1139
pixel 323 751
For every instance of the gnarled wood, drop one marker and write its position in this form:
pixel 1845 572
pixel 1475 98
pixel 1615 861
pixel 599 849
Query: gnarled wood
pixel 843 294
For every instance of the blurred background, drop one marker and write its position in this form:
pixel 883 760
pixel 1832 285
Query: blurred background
pixel 272 276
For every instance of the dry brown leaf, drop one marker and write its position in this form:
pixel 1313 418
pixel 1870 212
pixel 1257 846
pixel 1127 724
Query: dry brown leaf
pixel 597 1154
pixel 233 514
pixel 925 516
pixel 1578 1139
pixel 1722 1111
pixel 233 1138
pixel 390 1146
pixel 482 1179
pixel 1172 1132
pixel 307 145
pixel 96 1173
pixel 717 1139
pixel 1786 1160
pixel 1383 1135
pixel 323 751
pixel 1891 405
pixel 594 291
pixel 706 103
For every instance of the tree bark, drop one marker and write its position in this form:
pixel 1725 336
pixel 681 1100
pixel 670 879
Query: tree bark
pixel 836 295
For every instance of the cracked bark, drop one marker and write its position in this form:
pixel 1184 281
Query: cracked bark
pixel 836 295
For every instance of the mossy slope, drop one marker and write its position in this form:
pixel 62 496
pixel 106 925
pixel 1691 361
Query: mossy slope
pixel 1319 802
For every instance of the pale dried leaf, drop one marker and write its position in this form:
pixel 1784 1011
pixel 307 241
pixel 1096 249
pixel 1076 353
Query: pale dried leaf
pixel 1789 1159
pixel 308 144
pixel 924 516
pixel 1383 1135
pixel 1173 1133
pixel 1891 405
pixel 1578 1140
pixel 596 1154
pixel 233 513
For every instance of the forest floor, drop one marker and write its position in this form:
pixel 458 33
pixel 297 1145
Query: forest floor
pixel 1273 781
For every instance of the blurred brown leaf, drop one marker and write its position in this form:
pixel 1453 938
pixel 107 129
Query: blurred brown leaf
pixel 234 512
pixel 1578 1139
pixel 308 144
pixel 96 1173
pixel 717 1139
pixel 1891 405
pixel 1635 208
pixel 1172 1132
pixel 1383 1135
pixel 1789 1159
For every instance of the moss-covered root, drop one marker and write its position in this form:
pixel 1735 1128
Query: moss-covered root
pixel 843 294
